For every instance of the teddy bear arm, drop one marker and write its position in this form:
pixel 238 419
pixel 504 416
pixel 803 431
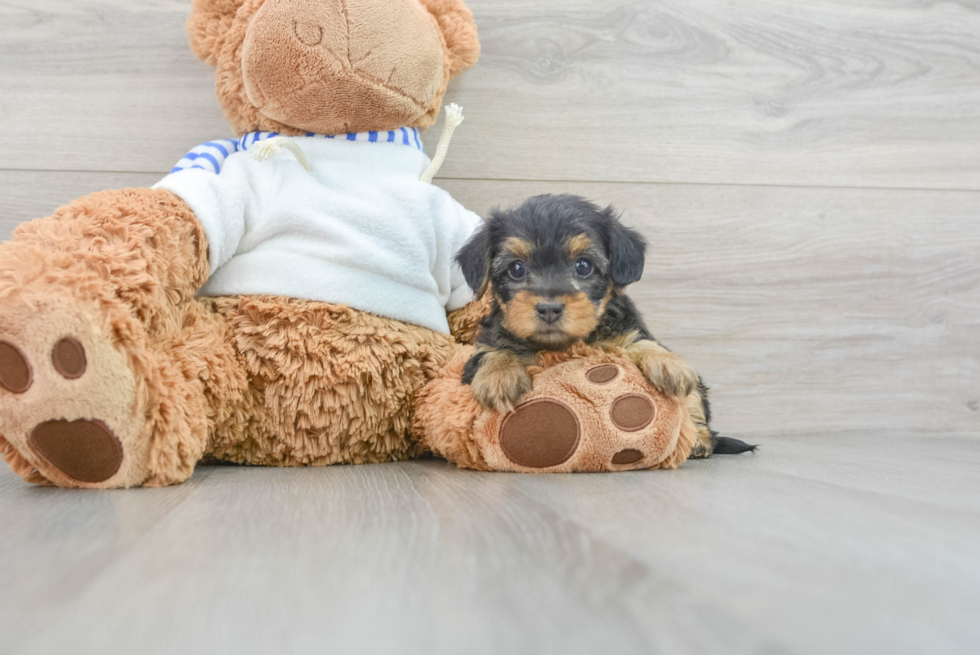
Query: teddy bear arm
pixel 144 246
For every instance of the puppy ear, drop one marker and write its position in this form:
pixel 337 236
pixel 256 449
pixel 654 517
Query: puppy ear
pixel 459 29
pixel 208 22
pixel 627 250
pixel 474 259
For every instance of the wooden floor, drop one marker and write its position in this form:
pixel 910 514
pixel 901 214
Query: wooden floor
pixel 808 175
pixel 818 544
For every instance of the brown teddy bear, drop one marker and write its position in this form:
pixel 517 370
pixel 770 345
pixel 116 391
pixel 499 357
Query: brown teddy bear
pixel 219 316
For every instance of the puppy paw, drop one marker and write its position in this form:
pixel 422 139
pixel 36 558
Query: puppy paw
pixel 701 448
pixel 667 372
pixel 703 444
pixel 501 381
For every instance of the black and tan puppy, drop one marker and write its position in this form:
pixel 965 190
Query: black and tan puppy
pixel 556 267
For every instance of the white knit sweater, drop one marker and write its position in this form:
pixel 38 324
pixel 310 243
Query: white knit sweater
pixel 360 229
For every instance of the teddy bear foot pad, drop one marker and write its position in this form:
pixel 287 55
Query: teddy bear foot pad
pixel 67 397
pixel 543 433
pixel 584 414
pixel 609 423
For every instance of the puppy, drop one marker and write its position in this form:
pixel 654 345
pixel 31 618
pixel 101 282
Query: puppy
pixel 556 267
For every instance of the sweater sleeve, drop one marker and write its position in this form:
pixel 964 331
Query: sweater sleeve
pixel 461 294
pixel 219 200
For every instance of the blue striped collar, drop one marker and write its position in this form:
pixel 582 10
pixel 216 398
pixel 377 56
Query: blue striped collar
pixel 211 156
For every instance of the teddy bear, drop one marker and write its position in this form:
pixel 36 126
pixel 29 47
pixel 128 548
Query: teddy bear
pixel 295 309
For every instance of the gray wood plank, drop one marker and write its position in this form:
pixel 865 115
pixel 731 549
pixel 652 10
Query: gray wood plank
pixel 372 559
pixel 836 92
pixel 772 553
pixel 804 309
pixel 55 542
pixel 788 540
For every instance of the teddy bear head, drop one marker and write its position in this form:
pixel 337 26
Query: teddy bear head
pixel 332 66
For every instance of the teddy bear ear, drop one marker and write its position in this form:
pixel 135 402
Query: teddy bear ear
pixel 459 29
pixel 209 20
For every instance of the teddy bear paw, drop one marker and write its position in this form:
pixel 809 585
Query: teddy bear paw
pixel 68 405
pixel 584 416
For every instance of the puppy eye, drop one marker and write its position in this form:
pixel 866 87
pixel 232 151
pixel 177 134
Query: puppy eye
pixel 517 270
pixel 583 267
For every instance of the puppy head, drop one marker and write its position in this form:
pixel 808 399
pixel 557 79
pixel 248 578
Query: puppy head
pixel 552 264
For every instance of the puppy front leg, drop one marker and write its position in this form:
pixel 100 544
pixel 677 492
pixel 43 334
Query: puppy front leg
pixel 665 370
pixel 498 377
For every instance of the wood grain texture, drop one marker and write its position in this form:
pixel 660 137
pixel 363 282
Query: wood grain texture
pixel 28 195
pixel 804 309
pixel 837 92
pixel 787 551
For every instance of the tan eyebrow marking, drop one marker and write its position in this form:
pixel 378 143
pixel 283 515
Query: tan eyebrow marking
pixel 579 244
pixel 519 247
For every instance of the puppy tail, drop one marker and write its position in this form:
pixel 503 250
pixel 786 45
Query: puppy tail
pixel 729 446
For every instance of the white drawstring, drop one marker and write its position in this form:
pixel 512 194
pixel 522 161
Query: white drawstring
pixel 454 116
pixel 265 150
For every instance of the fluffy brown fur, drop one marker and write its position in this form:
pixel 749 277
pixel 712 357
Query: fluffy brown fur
pixel 464 323
pixel 319 384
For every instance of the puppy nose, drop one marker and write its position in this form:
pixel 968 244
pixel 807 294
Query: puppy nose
pixel 549 312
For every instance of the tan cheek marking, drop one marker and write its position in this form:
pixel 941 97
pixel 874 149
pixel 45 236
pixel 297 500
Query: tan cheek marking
pixel 579 318
pixel 605 300
pixel 520 314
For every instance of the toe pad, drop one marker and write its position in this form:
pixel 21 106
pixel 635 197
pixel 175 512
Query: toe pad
pixel 68 358
pixel 632 412
pixel 15 371
pixel 85 450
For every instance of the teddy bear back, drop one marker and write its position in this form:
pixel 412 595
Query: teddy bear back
pixel 332 66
